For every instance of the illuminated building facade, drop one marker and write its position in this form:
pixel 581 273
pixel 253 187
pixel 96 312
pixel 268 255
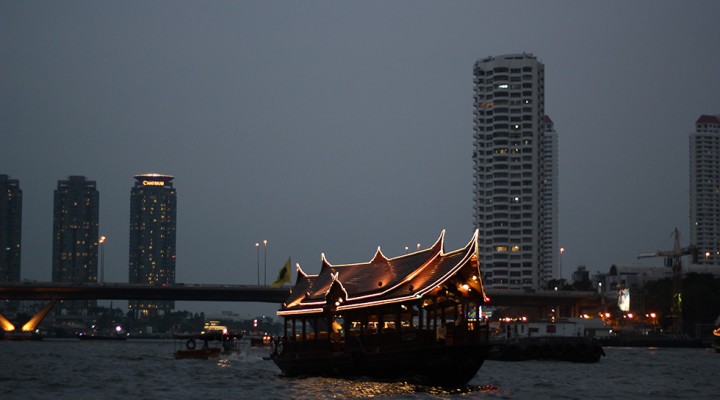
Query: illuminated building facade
pixel 153 216
pixel 705 189
pixel 550 264
pixel 10 229
pixel 515 173
pixel 76 216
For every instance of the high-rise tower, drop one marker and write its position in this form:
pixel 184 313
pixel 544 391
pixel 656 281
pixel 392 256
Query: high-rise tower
pixel 550 264
pixel 153 211
pixel 10 229
pixel 515 179
pixel 76 216
pixel 75 231
pixel 705 189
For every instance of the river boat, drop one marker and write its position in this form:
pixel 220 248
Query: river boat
pixel 101 336
pixel 560 340
pixel 97 333
pixel 414 318
pixel 259 339
pixel 104 334
pixel 206 345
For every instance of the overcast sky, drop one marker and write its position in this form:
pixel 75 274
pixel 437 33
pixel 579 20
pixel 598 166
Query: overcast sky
pixel 338 127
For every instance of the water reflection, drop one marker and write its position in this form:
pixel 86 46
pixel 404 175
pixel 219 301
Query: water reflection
pixel 361 388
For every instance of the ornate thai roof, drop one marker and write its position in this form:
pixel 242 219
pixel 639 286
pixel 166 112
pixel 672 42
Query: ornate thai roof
pixel 385 280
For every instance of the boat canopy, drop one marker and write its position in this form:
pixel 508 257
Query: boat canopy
pixel 382 280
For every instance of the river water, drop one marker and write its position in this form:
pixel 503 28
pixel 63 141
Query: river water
pixel 134 369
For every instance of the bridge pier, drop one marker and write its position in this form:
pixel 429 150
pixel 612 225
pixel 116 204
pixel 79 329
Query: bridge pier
pixel 30 325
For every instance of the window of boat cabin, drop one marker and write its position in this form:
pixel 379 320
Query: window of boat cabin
pixel 295 329
pixel 319 328
pixel 354 326
pixel 299 329
pixel 457 314
pixel 391 322
pixel 474 315
pixel 409 316
pixel 309 328
pixel 372 327
pixel 414 317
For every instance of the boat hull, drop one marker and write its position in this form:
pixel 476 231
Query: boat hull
pixel 449 366
pixel 573 349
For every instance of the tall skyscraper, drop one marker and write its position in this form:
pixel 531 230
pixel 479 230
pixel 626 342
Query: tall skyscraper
pixel 76 217
pixel 515 177
pixel 75 231
pixel 153 216
pixel 705 189
pixel 10 229
pixel 551 256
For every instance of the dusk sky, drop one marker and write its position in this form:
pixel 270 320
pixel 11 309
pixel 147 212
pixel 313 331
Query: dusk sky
pixel 336 127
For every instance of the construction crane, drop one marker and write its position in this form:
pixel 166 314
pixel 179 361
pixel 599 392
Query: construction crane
pixel 673 260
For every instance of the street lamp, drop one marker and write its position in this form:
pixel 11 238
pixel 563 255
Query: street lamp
pixel 562 251
pixel 265 247
pixel 102 259
pixel 257 247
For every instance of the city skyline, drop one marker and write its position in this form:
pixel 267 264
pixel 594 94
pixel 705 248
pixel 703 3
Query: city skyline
pixel 307 126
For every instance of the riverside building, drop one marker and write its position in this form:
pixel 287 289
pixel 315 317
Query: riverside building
pixel 76 216
pixel 515 173
pixel 153 216
pixel 705 189
pixel 10 229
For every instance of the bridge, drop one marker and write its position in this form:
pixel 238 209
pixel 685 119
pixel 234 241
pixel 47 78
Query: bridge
pixel 128 291
pixel 254 293
pixel 569 302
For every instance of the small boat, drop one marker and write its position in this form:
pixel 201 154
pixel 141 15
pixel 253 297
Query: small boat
pixel 259 339
pixel 104 334
pixel 100 336
pixel 561 340
pixel 192 353
pixel 212 344
pixel 416 317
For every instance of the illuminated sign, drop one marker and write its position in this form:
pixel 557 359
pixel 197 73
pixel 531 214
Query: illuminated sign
pixel 624 300
pixel 153 183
